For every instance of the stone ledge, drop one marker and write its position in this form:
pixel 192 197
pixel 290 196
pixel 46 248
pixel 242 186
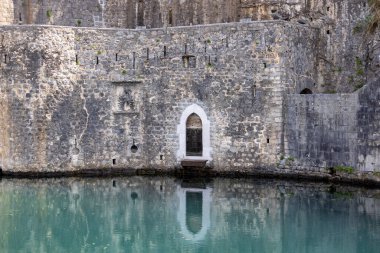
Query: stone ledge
pixel 254 173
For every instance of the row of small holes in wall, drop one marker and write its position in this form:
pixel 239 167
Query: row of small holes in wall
pixel 185 60
pixel 147 52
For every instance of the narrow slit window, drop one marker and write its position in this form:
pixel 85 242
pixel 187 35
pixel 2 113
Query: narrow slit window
pixel 134 60
pixel 170 21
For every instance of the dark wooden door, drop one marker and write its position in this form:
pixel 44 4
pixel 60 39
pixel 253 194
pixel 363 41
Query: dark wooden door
pixel 194 142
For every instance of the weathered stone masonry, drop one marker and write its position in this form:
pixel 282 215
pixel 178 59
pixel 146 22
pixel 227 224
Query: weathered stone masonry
pixel 89 98
pixel 326 130
pixel 81 98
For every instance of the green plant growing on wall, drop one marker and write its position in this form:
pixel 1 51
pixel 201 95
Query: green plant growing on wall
pixel 99 52
pixel 358 80
pixel 208 41
pixel 330 91
pixel 49 13
pixel 358 28
pixel 79 22
pixel 344 169
pixel 289 161
pixel 123 72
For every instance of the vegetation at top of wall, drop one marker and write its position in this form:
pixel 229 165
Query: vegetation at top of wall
pixel 370 23
pixel 374 16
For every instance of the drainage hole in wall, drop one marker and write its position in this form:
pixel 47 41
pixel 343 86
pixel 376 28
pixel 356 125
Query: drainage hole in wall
pixel 113 161
pixel 134 148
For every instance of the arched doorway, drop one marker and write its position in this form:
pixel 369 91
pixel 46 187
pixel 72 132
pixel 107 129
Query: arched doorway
pixel 194 144
pixel 194 117
pixel 306 91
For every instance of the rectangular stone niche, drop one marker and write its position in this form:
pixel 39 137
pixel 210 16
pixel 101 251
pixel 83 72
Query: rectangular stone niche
pixel 126 97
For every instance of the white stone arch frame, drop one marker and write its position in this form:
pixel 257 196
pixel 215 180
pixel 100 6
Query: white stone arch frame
pixel 181 131
pixel 206 213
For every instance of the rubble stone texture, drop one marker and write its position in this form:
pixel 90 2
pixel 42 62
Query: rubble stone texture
pixel 88 93
pixel 6 12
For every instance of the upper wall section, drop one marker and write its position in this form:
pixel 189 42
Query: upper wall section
pixel 160 13
pixel 6 12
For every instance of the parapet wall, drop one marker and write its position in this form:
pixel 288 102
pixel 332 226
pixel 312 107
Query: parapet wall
pixel 334 130
pixel 347 57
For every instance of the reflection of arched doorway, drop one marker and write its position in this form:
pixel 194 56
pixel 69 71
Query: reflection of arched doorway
pixel 306 91
pixel 194 145
pixel 194 212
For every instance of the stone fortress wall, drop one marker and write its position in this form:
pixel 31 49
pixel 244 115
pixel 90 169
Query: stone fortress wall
pixel 83 98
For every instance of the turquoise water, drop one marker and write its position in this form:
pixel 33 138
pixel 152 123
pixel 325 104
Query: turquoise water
pixel 169 215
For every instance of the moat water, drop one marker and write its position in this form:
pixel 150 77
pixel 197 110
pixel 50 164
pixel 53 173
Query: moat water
pixel 140 214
